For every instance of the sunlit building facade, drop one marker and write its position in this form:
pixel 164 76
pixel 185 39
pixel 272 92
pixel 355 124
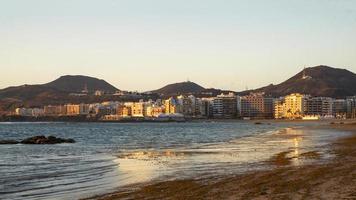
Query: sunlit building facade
pixel 170 106
pixel 294 106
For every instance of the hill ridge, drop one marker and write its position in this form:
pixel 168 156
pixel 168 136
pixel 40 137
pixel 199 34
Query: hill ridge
pixel 320 80
pixel 180 88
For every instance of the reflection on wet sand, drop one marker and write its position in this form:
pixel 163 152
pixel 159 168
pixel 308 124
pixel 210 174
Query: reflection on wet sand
pixel 142 155
pixel 296 151
pixel 239 155
pixel 136 170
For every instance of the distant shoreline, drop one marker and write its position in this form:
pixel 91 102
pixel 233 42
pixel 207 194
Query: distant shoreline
pixel 81 119
pixel 155 120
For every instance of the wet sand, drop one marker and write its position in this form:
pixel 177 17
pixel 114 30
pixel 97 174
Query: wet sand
pixel 335 179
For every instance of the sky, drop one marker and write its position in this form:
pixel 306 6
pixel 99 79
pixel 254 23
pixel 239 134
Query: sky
pixel 145 44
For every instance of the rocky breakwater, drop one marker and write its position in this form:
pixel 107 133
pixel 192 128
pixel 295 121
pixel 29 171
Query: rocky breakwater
pixel 41 139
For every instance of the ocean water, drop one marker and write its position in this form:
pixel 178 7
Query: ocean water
pixel 108 156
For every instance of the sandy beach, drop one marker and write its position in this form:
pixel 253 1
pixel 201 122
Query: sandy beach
pixel 334 179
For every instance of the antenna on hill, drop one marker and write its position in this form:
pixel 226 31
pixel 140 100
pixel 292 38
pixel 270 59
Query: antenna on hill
pixel 188 80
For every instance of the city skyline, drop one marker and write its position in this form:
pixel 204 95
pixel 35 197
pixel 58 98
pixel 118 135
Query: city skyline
pixel 138 45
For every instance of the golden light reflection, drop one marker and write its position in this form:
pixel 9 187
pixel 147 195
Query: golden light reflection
pixel 296 156
pixel 296 147
pixel 136 170
pixel 151 154
pixel 144 166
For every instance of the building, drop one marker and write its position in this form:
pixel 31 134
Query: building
pixel 197 105
pixel 351 107
pixel 29 112
pixel 185 105
pixel 154 110
pixel 137 109
pixel 238 98
pixel 257 106
pixel 318 106
pixel 84 109
pixel 55 110
pixel 225 106
pixel 279 108
pixel 340 108
pixel 123 111
pixel 36 112
pixel 72 109
pixel 22 112
pixel 99 93
pixel 105 108
pixel 170 106
pixel 294 106
pixel 206 107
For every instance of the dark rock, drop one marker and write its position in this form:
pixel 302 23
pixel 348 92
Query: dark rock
pixel 258 123
pixel 46 140
pixel 34 140
pixel 8 142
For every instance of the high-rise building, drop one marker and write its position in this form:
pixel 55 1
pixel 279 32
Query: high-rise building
pixel 294 105
pixel 339 108
pixel 195 105
pixel 184 105
pixel 225 106
pixel 319 106
pixel 351 107
pixel 257 106
pixel 206 107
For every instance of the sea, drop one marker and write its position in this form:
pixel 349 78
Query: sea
pixel 110 156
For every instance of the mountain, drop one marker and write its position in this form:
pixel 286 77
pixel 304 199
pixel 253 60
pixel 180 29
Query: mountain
pixel 180 88
pixel 317 81
pixel 26 92
pixel 79 83
pixel 55 92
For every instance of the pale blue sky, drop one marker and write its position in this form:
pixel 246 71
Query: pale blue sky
pixel 145 44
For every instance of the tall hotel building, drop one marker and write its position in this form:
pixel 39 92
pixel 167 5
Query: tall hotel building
pixel 257 106
pixel 225 106
pixel 294 106
pixel 290 107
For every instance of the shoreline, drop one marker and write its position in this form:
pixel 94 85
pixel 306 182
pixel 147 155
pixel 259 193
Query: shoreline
pixel 84 119
pixel 335 179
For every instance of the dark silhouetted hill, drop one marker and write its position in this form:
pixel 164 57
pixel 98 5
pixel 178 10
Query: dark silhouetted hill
pixel 180 88
pixel 79 83
pixel 316 81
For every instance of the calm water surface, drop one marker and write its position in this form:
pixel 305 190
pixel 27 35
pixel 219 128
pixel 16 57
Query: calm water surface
pixel 108 156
